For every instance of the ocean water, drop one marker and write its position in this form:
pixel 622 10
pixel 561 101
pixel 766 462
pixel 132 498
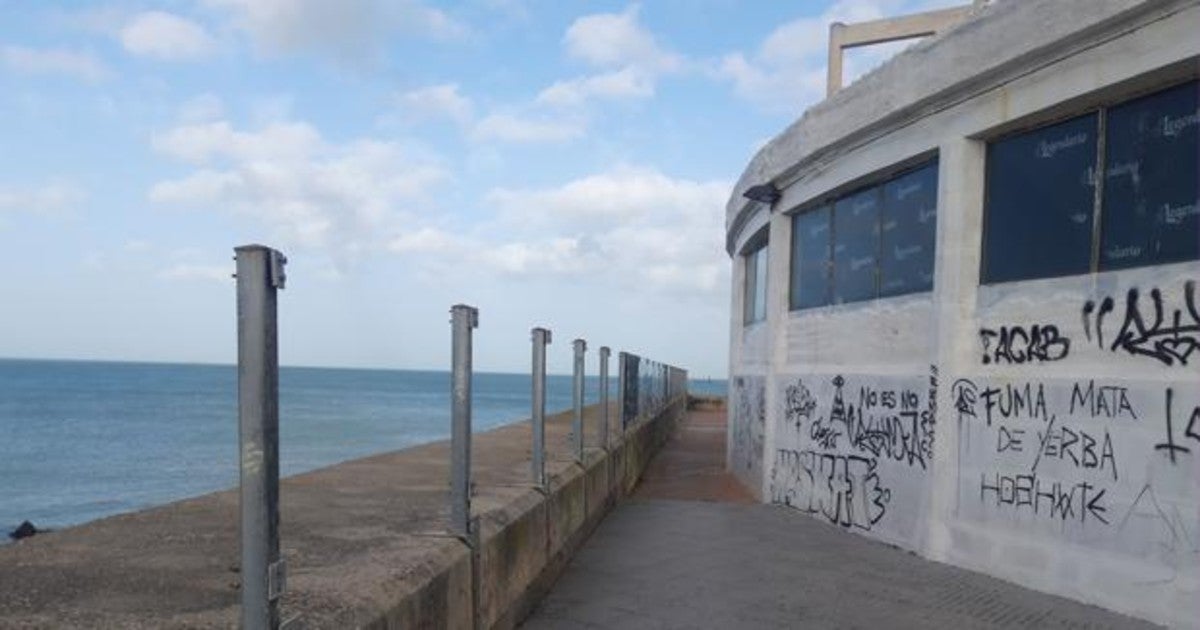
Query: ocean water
pixel 83 440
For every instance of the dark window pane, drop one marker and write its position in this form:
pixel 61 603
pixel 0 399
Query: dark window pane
pixel 1151 215
pixel 1040 199
pixel 810 259
pixel 908 226
pixel 760 285
pixel 855 246
pixel 751 279
pixel 754 299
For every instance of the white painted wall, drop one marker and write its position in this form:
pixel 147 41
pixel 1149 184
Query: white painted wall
pixel 883 416
pixel 750 358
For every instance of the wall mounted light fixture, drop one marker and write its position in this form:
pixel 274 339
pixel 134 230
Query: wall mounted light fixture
pixel 764 193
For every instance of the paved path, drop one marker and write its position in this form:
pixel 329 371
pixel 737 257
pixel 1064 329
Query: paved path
pixel 692 550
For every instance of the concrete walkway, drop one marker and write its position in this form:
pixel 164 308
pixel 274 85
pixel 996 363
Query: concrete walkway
pixel 692 550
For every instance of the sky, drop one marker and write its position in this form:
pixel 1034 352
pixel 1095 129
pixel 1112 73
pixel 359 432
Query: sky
pixel 553 163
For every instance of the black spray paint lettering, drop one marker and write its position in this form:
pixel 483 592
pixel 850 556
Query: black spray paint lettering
pixel 929 417
pixel 1170 339
pixel 1105 401
pixel 1010 440
pixel 878 424
pixel 1015 401
pixel 1192 432
pixel 1077 447
pixel 845 489
pixel 749 422
pixel 904 435
pixel 799 403
pixel 1019 344
pixel 1053 499
pixel 965 394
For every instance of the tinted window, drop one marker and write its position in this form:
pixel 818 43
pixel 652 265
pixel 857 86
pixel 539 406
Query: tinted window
pixel 760 285
pixel 810 259
pixel 755 296
pixel 1040 199
pixel 855 246
pixel 908 227
pixel 750 280
pixel 1150 211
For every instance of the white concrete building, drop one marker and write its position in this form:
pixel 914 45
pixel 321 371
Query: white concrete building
pixel 969 324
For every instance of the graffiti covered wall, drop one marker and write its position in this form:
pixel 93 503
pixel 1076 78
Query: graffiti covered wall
pixel 1063 414
pixel 1096 462
pixel 856 451
pixel 1080 423
pixel 748 422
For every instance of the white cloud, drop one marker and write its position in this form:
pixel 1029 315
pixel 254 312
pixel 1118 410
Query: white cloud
pixel 35 61
pixel 614 40
pixel 347 30
pixel 344 199
pixel 426 240
pixel 787 72
pixel 513 128
pixel 166 36
pixel 556 255
pixel 50 198
pixel 437 101
pixel 620 84
pixel 629 225
pixel 277 142
pixel 614 197
pixel 445 101
pixel 629 58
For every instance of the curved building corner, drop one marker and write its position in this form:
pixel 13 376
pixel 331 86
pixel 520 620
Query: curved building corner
pixel 969 324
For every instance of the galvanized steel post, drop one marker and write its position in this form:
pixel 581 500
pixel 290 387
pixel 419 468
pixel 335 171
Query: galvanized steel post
pixel 259 276
pixel 541 337
pixel 604 352
pixel 463 319
pixel 577 421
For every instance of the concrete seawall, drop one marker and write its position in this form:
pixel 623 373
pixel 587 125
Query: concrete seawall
pixel 364 540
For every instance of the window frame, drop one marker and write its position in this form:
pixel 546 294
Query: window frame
pixel 877 181
pixel 827 263
pixel 1100 108
pixel 755 255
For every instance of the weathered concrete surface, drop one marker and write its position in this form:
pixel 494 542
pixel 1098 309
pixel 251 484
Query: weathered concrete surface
pixel 719 562
pixel 1003 40
pixel 692 468
pixel 1132 545
pixel 692 564
pixel 363 540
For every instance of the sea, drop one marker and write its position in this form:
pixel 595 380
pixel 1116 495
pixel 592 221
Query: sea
pixel 81 440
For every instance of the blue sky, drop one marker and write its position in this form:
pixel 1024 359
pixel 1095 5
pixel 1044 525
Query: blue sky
pixel 563 164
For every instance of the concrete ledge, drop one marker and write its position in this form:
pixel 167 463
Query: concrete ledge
pixel 364 540
pixel 514 546
pixel 597 492
pixel 442 598
pixel 525 545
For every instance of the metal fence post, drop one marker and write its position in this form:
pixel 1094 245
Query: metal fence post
pixel 463 319
pixel 541 337
pixel 604 352
pixel 577 422
pixel 259 276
